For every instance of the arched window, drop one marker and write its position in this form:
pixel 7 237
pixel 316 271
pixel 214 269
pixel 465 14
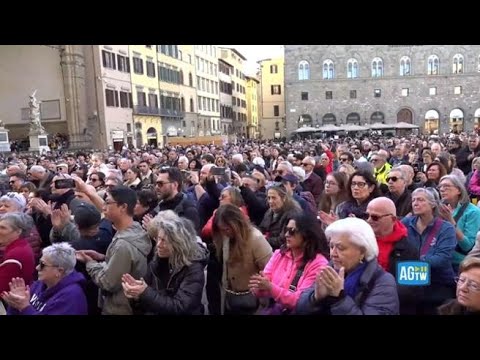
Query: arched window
pixel 192 109
pixel 190 79
pixel 303 70
pixel 405 66
pixel 433 65
pixel 328 69
pixel 181 77
pixel 352 68
pixel 377 67
pixel 457 64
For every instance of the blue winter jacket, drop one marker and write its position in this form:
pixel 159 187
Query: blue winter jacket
pixel 377 295
pixel 440 253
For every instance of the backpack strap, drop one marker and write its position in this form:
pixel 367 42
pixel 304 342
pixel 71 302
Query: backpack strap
pixel 431 235
pixel 296 279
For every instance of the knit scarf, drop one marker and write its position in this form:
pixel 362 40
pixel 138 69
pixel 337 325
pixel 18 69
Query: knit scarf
pixel 352 280
pixel 386 244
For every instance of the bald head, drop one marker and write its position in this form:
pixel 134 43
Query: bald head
pixel 384 211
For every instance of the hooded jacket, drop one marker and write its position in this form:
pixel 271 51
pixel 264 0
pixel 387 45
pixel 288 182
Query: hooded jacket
pixel 65 298
pixel 127 253
pixel 177 293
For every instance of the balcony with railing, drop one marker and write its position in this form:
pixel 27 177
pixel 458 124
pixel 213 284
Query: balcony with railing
pixel 146 110
pixel 172 113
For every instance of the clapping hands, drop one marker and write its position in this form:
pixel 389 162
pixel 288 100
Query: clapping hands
pixel 133 288
pixel 19 295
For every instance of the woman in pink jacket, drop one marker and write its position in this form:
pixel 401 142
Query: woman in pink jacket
pixel 293 268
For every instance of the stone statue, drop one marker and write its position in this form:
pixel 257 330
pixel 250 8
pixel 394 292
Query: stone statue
pixel 35 124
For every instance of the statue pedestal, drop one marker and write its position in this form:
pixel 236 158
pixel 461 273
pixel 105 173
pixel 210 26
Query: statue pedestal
pixel 4 142
pixel 39 143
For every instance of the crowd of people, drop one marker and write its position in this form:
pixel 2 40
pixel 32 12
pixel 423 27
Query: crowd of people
pixel 314 226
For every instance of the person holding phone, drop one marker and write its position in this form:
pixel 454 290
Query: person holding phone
pixel 62 188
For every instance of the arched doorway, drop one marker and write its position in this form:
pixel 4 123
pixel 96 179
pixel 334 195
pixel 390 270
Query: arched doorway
pixel 353 118
pixel 432 121
pixel 139 139
pixel 456 121
pixel 329 119
pixel 476 120
pixel 304 120
pixel 152 137
pixel 377 116
pixel 405 115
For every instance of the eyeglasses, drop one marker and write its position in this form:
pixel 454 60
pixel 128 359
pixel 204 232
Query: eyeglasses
pixel 359 184
pixel 471 285
pixel 161 183
pixel 42 265
pixel 374 160
pixel 343 159
pixel 12 181
pixel 376 217
pixel 331 183
pixel 291 231
pixel 393 178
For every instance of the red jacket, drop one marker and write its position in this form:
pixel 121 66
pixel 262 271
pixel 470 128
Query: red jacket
pixel 23 264
pixel 206 234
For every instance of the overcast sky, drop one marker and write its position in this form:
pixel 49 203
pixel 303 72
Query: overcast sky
pixel 253 53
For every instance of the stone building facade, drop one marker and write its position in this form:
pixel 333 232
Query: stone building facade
pixel 433 86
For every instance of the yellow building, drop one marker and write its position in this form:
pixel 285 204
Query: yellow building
pixel 272 114
pixel 171 79
pixel 145 95
pixel 252 107
pixel 186 54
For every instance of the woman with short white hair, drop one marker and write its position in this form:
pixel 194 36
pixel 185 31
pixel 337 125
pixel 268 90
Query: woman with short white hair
pixel 59 289
pixel 354 284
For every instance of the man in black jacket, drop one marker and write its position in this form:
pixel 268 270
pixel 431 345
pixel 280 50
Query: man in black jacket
pixel 398 192
pixel 169 182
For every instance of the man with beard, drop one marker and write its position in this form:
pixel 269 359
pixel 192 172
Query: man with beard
pixel 168 186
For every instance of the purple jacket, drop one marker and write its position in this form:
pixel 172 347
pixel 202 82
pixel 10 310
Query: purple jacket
pixel 65 298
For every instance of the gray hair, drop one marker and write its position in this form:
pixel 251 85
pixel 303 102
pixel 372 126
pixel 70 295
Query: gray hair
pixel 402 172
pixel 183 159
pixel 38 168
pixel 179 236
pixel 238 157
pixel 62 255
pixel 464 198
pixel 432 196
pixel 359 232
pixel 19 221
pixel 287 164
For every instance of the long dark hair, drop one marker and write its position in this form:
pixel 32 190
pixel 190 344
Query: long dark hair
pixel 326 201
pixel 313 236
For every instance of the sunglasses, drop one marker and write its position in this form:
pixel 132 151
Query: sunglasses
pixel 376 217
pixel 393 178
pixel 343 159
pixel 291 231
pixel 161 183
pixel 42 265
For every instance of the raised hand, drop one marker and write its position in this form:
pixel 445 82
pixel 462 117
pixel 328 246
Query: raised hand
pixel 332 281
pixel 327 219
pixel 320 289
pixel 19 295
pixel 146 220
pixel 82 256
pixel 94 255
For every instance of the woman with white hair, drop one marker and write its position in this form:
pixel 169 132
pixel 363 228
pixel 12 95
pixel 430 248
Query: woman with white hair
pixel 18 259
pixel 355 284
pixel 435 240
pixel 15 203
pixel 59 289
pixel 457 209
pixel 175 277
